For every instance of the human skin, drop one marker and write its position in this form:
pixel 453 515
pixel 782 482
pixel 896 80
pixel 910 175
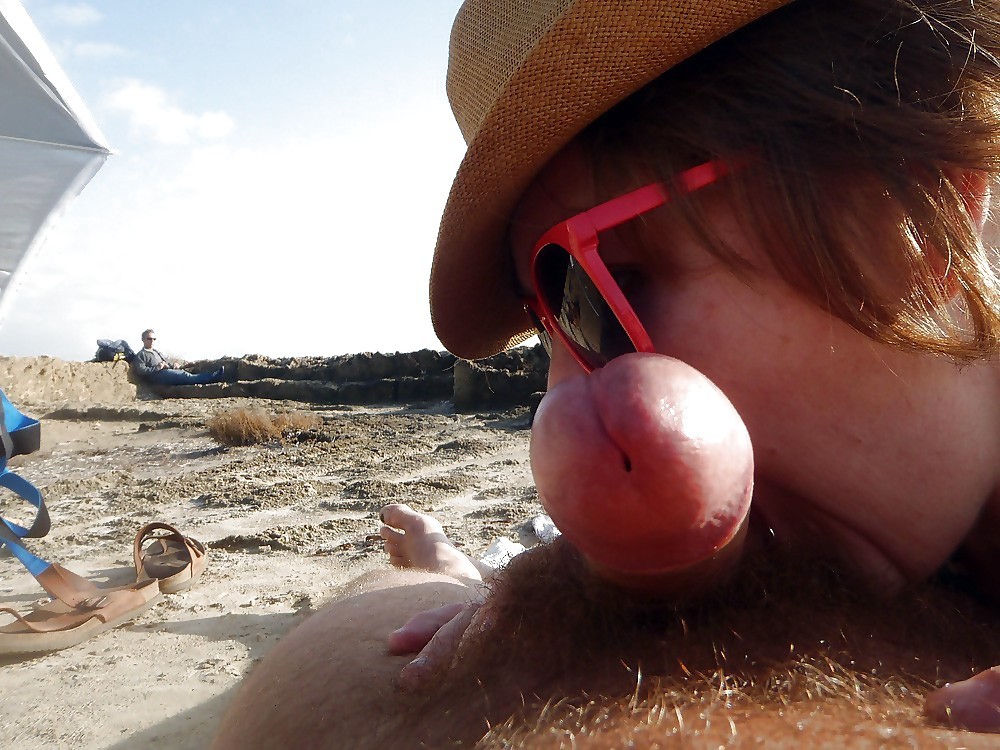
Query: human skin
pixel 885 460
pixel 434 551
pixel 330 682
pixel 776 659
pixel 655 487
pixel 855 443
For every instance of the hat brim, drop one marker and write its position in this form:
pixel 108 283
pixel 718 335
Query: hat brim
pixel 585 63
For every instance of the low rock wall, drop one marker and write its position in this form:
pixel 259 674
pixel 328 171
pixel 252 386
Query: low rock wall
pixel 505 380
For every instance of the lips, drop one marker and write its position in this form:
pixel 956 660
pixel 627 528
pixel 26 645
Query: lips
pixel 645 466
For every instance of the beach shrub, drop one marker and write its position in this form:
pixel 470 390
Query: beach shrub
pixel 250 426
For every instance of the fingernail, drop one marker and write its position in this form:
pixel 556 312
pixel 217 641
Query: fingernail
pixel 413 674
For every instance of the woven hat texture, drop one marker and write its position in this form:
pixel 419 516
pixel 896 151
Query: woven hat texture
pixel 525 77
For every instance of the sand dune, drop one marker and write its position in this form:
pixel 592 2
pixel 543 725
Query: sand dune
pixel 48 380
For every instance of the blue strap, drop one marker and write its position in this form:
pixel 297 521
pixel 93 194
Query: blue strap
pixel 11 533
pixel 16 425
pixel 18 433
pixel 35 565
pixel 8 419
pixel 26 490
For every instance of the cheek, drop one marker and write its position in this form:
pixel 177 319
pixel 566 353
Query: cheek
pixel 796 375
pixel 754 343
pixel 691 320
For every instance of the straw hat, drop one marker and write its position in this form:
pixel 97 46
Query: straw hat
pixel 524 77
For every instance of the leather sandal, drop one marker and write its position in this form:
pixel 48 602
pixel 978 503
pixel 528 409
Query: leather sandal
pixel 173 560
pixel 60 624
pixel 78 609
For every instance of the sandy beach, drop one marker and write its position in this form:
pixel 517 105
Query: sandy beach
pixel 286 526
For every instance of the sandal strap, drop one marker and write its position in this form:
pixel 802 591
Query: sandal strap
pixel 146 533
pixel 12 539
pixel 62 621
pixel 11 533
pixel 104 605
pixel 60 583
pixel 66 586
pixel 28 624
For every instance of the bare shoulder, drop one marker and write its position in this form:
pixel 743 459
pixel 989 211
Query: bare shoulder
pixel 332 676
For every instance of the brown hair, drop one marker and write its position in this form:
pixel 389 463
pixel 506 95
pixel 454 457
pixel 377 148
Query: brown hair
pixel 856 119
pixel 566 659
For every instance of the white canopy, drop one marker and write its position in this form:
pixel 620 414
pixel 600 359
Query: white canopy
pixel 50 147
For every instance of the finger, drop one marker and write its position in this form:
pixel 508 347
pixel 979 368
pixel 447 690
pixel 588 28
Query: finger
pixel 972 704
pixel 439 652
pixel 407 520
pixel 420 628
pixel 398 560
pixel 395 514
pixel 391 535
pixel 394 548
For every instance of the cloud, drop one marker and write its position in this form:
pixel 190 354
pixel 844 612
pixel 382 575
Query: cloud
pixel 78 14
pixel 152 115
pixel 311 241
pixel 97 50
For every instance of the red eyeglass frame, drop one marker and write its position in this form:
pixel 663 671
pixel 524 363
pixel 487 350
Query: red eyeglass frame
pixel 578 235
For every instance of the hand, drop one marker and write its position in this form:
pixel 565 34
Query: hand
pixel 436 633
pixel 972 704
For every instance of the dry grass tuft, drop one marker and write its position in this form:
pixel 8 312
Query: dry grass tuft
pixel 250 426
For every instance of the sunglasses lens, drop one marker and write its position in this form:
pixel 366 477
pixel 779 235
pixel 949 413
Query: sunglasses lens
pixel 543 336
pixel 575 302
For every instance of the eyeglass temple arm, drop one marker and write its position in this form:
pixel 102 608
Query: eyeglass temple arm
pixel 629 206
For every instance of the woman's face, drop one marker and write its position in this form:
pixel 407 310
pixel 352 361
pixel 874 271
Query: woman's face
pixel 886 457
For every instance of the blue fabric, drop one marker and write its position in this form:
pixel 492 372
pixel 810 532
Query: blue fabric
pixel 12 418
pixel 11 533
pixel 23 488
pixel 15 424
pixel 35 565
pixel 183 377
pixel 20 434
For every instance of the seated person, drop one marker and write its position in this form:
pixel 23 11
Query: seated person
pixel 153 368
pixel 737 222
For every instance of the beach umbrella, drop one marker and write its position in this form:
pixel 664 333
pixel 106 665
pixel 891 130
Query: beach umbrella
pixel 50 147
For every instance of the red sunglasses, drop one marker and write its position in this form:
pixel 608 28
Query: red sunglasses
pixel 577 301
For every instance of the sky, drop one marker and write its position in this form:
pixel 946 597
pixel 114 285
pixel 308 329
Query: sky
pixel 280 169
